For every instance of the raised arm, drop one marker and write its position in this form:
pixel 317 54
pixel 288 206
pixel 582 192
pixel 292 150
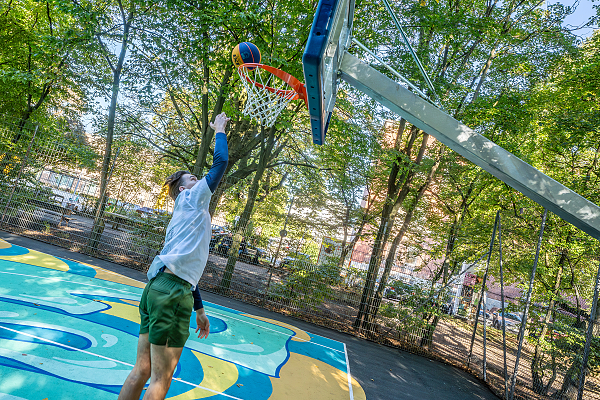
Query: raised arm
pixel 221 155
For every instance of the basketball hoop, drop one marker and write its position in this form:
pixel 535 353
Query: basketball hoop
pixel 269 90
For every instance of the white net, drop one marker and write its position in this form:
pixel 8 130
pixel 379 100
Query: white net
pixel 267 95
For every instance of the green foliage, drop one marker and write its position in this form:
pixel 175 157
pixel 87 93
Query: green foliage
pixel 414 312
pixel 36 74
pixel 306 284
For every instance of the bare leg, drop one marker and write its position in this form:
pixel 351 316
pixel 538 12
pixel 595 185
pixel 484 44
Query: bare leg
pixel 139 375
pixel 164 359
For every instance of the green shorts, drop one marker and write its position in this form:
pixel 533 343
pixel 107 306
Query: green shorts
pixel 166 309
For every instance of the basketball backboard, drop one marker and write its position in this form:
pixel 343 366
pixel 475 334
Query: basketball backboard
pixel 327 41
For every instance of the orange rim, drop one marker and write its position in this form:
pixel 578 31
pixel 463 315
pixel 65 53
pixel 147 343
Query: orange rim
pixel 298 88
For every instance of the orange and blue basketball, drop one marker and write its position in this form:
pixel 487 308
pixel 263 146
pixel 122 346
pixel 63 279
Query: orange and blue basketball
pixel 244 53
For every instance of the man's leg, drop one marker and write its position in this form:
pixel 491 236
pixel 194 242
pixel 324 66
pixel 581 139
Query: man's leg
pixel 139 375
pixel 164 359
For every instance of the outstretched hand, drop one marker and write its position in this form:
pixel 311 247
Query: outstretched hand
pixel 220 122
pixel 202 323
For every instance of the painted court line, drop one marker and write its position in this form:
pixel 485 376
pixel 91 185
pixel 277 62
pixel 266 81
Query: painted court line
pixel 112 359
pixel 348 373
pixel 281 333
pixel 136 294
pixel 176 379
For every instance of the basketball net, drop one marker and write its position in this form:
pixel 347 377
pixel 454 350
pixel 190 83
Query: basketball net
pixel 269 91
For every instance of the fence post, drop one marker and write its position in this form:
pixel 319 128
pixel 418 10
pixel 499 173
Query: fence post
pixel 502 305
pixel 282 234
pixel 527 301
pixel 482 292
pixel 12 192
pixel 588 338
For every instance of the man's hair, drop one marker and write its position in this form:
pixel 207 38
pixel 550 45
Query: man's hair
pixel 173 182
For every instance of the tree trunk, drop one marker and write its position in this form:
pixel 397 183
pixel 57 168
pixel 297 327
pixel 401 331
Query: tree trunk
pixel 387 220
pixel 207 132
pixel 240 230
pixel 370 318
pixel 110 128
pixel 396 195
pixel 568 390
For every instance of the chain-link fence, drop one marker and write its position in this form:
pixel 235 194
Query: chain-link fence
pixel 47 195
pixel 476 316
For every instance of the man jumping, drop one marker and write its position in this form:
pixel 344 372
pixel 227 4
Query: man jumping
pixel 167 300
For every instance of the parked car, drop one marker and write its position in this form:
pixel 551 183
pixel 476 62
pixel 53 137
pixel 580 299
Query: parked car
pixel 488 317
pixel 448 308
pixel 220 243
pixel 251 254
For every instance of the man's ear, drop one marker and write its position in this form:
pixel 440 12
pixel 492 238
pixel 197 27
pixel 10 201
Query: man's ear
pixel 181 189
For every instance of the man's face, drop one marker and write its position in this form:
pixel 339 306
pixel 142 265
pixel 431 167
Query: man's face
pixel 187 182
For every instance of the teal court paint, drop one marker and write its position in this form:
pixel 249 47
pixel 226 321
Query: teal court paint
pixel 69 331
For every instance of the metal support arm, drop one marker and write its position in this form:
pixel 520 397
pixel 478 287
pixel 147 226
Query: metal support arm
pixel 476 148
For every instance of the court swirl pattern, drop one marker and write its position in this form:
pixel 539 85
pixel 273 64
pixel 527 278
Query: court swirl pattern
pixel 69 331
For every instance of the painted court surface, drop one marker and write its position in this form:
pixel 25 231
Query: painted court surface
pixel 69 331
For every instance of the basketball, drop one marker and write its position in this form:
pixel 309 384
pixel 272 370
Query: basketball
pixel 245 52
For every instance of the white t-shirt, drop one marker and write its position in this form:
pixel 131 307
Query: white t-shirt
pixel 188 236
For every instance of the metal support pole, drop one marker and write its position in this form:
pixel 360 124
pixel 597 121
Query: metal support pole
pixel 502 305
pixel 505 166
pixel 527 301
pixel 484 336
pixel 412 52
pixel 12 192
pixel 393 71
pixel 482 291
pixel 588 338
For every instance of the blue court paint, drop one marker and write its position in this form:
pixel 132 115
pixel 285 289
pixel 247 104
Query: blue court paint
pixel 68 335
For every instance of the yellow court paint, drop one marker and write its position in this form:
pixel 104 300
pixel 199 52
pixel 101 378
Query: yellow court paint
pixel 357 391
pixel 304 377
pixel 132 302
pixel 38 259
pixel 110 276
pixel 219 376
pixel 4 244
pixel 113 277
pixel 300 336
pixel 124 311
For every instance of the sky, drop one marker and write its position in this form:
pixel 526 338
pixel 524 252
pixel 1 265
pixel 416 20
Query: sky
pixel 581 15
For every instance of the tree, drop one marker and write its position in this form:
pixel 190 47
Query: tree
pixel 36 75
pixel 468 48
pixel 568 123
pixel 348 159
pixel 188 78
